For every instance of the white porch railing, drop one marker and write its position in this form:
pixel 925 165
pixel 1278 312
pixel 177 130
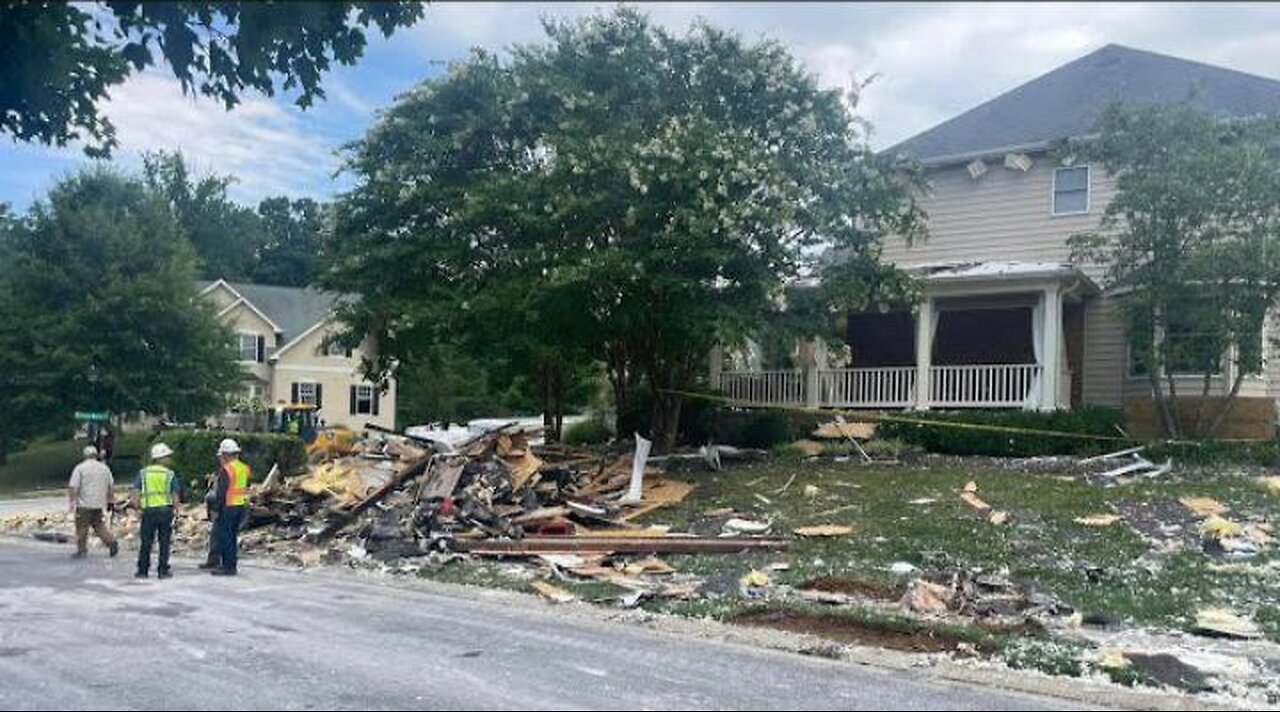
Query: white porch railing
pixel 764 387
pixel 888 387
pixel 982 386
pixel 969 386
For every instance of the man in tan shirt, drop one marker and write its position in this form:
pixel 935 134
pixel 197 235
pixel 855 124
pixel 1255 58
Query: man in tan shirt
pixel 91 491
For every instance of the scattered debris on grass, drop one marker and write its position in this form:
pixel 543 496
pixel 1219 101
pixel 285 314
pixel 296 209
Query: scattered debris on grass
pixel 1222 622
pixel 820 530
pixel 1098 520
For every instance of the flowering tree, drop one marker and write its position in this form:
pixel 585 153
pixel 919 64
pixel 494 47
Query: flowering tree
pixel 639 196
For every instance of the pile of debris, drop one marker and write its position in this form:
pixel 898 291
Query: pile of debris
pixel 495 494
pixel 392 497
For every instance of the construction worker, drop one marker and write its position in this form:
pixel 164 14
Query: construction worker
pixel 90 492
pixel 155 492
pixel 232 494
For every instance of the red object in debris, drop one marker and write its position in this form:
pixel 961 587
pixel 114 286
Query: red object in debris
pixel 446 507
pixel 557 528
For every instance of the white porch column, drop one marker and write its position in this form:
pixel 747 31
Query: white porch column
pixel 1051 347
pixel 813 361
pixel 715 366
pixel 924 352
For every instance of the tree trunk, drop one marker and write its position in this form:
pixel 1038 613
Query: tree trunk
pixel 1167 421
pixel 1227 402
pixel 1204 400
pixel 547 372
pixel 665 420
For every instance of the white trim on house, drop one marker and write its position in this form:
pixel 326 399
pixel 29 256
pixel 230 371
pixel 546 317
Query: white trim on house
pixel 310 330
pixel 348 370
pixel 1088 191
pixel 220 283
pixel 255 310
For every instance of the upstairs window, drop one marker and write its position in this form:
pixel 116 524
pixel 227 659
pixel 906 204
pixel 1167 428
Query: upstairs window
pixel 364 400
pixel 250 347
pixel 1071 190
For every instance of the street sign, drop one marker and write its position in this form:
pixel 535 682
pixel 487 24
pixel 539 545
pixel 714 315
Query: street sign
pixel 100 416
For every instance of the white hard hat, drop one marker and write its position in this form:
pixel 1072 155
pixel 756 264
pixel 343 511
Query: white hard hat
pixel 160 450
pixel 228 447
pixel 91 452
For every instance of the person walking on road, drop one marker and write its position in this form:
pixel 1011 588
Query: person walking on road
pixel 91 492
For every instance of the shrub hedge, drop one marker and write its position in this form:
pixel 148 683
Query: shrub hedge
pixel 195 453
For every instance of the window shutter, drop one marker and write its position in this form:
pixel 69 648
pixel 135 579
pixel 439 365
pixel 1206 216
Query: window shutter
pixel 353 400
pixel 262 343
pixel 293 392
pixel 319 397
pixel 374 395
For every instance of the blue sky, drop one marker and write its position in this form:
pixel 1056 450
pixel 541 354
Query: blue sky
pixel 933 61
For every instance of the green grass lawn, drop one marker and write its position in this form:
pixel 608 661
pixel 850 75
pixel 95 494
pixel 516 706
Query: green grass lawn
pixel 1097 570
pixel 1106 570
pixel 47 464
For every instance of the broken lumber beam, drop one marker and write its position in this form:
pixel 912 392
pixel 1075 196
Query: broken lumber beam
pixel 1113 455
pixel 530 546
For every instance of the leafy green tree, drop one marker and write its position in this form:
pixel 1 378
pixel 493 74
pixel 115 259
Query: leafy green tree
pixel 226 236
pixel 100 311
pixel 61 59
pixel 632 195
pixel 1190 243
pixel 290 251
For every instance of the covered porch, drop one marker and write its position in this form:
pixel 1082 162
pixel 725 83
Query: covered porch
pixel 984 335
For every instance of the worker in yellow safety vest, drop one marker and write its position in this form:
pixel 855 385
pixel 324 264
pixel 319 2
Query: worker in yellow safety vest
pixel 155 492
pixel 231 496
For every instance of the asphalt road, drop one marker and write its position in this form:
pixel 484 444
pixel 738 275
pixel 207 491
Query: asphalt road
pixel 86 635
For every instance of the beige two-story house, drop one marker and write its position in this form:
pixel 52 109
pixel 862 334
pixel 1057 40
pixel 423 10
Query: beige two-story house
pixel 284 339
pixel 1007 320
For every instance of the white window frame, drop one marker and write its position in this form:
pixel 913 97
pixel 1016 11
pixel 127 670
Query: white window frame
pixel 255 390
pixel 240 337
pixel 332 346
pixel 303 397
pixel 364 395
pixel 1088 190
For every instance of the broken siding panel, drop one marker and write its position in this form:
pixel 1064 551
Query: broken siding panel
pixel 1004 215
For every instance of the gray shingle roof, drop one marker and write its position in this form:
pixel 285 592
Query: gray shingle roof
pixel 1066 101
pixel 293 309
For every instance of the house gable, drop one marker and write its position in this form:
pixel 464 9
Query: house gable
pixel 218 293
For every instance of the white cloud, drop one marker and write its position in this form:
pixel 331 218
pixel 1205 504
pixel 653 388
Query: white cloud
pixel 337 90
pixel 265 144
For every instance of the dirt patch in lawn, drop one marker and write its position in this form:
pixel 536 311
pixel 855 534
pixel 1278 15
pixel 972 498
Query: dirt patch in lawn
pixel 909 639
pixel 867 588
